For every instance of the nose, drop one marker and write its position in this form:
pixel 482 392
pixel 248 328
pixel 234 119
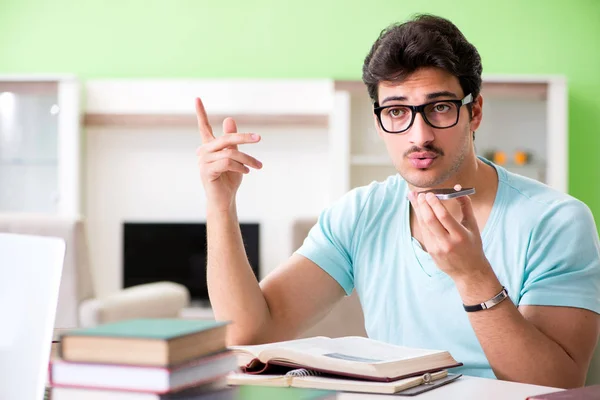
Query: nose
pixel 420 134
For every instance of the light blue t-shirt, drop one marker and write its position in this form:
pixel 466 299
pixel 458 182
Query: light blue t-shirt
pixel 541 243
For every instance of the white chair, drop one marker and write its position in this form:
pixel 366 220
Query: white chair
pixel 77 304
pixel 346 318
pixel 30 272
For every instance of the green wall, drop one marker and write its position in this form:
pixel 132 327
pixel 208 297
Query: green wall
pixel 308 39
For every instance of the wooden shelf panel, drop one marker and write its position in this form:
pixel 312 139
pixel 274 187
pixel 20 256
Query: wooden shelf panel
pixel 492 88
pixel 188 120
pixel 30 88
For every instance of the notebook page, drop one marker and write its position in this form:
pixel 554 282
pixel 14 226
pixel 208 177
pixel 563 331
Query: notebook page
pixel 261 380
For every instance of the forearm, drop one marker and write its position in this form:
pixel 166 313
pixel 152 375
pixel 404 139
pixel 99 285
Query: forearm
pixel 233 289
pixel 514 347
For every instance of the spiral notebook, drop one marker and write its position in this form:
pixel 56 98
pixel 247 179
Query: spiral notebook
pixel 308 379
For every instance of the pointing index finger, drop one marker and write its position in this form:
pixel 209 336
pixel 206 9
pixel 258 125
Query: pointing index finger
pixel 206 132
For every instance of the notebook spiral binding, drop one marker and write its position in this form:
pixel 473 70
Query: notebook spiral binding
pixel 303 372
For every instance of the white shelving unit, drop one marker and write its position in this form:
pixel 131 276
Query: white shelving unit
pixel 141 140
pixel 40 165
pixel 520 113
pixel 132 123
pixel 40 144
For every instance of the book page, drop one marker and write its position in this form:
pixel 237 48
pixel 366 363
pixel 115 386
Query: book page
pixel 352 348
pixel 299 344
pixel 355 348
pixel 357 356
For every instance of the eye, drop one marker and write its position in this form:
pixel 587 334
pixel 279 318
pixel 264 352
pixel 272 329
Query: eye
pixel 441 107
pixel 396 112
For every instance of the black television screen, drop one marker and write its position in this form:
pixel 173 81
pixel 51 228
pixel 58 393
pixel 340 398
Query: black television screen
pixel 175 252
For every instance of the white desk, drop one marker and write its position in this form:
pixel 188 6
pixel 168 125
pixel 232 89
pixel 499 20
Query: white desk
pixel 466 388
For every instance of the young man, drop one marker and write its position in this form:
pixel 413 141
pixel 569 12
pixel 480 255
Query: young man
pixel 422 267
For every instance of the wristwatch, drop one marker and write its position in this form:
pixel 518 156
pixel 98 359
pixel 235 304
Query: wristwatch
pixel 497 299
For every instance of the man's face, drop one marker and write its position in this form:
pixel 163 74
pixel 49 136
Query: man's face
pixel 428 157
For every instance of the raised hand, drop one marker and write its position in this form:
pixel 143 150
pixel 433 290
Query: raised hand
pixel 455 246
pixel 221 164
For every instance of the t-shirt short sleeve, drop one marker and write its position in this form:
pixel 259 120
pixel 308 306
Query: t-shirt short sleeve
pixel 329 243
pixel 563 267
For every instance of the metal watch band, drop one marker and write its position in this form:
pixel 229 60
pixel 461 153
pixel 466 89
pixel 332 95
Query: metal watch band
pixel 497 299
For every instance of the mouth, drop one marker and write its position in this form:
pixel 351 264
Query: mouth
pixel 422 160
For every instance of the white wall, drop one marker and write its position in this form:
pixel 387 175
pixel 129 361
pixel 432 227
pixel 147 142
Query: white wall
pixel 152 175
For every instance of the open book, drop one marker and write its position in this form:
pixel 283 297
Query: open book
pixel 352 356
pixel 301 378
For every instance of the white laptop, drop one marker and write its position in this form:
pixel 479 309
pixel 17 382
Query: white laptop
pixel 30 272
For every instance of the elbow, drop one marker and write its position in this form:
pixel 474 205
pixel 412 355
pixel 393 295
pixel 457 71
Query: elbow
pixel 576 380
pixel 244 336
pixel 240 336
pixel 564 383
pixel 563 380
pixel 570 377
pixel 240 340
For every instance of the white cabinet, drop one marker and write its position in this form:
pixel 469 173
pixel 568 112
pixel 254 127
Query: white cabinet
pixel 39 145
pixel 521 115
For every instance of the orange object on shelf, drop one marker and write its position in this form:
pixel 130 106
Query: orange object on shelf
pixel 521 158
pixel 500 157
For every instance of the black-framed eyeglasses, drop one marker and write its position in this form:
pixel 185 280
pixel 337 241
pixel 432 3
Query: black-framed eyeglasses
pixel 440 114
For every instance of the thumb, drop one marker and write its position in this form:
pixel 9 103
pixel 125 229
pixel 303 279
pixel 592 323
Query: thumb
pixel 229 125
pixel 468 220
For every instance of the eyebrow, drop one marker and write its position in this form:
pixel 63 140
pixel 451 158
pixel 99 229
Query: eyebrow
pixel 430 96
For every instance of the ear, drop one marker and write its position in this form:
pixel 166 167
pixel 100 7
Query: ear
pixel 477 113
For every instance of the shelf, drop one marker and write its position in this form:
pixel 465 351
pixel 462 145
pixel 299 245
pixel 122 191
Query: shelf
pixel 374 160
pixel 134 102
pixel 29 163
pixel 494 86
pixel 189 120
pixel 525 169
pixel 524 166
pixel 29 87
pixel 384 161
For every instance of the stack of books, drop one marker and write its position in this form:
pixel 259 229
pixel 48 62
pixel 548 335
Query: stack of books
pixel 142 359
pixel 54 353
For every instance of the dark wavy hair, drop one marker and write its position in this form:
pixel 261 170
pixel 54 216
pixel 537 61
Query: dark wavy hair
pixel 423 41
